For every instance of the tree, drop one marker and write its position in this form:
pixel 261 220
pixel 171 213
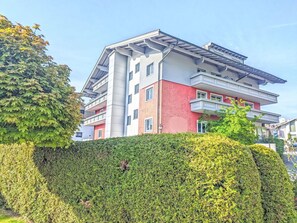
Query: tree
pixel 233 123
pixel 37 103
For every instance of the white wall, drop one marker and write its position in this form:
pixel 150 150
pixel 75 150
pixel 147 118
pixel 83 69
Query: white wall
pixel 115 109
pixel 179 68
pixel 87 133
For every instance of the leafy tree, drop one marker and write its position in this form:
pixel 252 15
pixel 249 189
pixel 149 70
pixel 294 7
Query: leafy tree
pixel 37 103
pixel 233 122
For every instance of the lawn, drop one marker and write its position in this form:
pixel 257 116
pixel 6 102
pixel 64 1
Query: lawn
pixel 8 217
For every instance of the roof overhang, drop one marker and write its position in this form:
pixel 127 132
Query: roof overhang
pixel 160 41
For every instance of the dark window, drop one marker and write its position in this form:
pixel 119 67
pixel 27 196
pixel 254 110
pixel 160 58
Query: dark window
pixel 150 69
pixel 135 114
pixel 136 89
pixel 149 94
pixel 129 120
pixel 201 127
pixel 130 75
pixel 130 99
pixel 148 125
pixel 100 134
pixel 137 67
pixel 82 112
pixel 78 134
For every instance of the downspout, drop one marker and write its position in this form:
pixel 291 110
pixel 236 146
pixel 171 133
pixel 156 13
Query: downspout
pixel 159 123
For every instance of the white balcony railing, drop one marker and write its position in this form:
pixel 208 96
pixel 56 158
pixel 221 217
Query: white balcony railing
pixel 95 119
pixel 206 81
pixel 202 105
pixel 99 86
pixel 97 103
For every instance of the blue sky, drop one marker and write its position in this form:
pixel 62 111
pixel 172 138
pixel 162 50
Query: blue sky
pixel 265 31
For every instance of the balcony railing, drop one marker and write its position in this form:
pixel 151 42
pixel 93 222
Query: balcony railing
pixel 206 81
pixel 97 103
pixel 101 85
pixel 95 119
pixel 205 105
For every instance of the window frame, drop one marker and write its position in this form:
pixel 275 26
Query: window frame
pixel 151 87
pixel 129 120
pixel 129 99
pixel 145 129
pixel 150 71
pixel 212 94
pixel 135 110
pixel 80 135
pixel 130 75
pixel 135 89
pixel 199 91
pixel 202 123
pixel 100 130
pixel 137 67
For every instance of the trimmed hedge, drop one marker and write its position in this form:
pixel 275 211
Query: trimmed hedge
pixel 25 189
pixel 277 189
pixel 149 178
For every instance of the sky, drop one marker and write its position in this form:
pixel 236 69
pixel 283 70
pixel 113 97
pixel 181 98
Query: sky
pixel 263 30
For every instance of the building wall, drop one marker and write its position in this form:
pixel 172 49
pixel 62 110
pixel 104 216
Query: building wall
pixel 179 68
pixel 148 109
pixel 96 131
pixel 87 133
pixel 115 109
pixel 176 109
pixel 133 128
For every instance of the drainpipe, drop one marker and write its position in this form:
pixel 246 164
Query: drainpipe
pixel 159 123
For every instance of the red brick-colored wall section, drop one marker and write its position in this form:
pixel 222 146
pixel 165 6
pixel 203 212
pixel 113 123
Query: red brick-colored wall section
pixel 148 109
pixel 96 131
pixel 100 110
pixel 176 108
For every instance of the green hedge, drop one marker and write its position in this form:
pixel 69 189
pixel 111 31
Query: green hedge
pixel 276 187
pixel 149 178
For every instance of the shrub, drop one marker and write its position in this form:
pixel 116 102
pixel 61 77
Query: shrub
pixel 25 189
pixel 276 187
pixel 149 178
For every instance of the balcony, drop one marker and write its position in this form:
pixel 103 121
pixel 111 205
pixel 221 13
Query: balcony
pixel 205 105
pixel 206 81
pixel 97 103
pixel 101 85
pixel 95 119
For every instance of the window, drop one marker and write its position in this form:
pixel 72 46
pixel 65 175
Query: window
pixel 149 94
pixel 201 94
pixel 249 104
pixel 292 127
pixel 215 97
pixel 130 75
pixel 148 125
pixel 136 89
pixel 82 112
pixel 129 120
pixel 200 70
pixel 137 67
pixel 100 134
pixel 130 99
pixel 135 114
pixel 201 126
pixel 78 134
pixel 150 69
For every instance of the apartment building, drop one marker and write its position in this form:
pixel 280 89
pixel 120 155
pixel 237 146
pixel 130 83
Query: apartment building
pixel 286 128
pixel 84 132
pixel 158 83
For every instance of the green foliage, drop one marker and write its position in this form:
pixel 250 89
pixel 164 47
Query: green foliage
pixel 233 123
pixel 36 101
pixel 276 187
pixel 279 144
pixel 25 189
pixel 149 178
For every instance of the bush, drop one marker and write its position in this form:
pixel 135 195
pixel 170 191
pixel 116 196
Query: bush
pixel 276 188
pixel 25 189
pixel 149 178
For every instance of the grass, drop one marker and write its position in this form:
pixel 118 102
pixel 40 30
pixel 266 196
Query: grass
pixel 9 217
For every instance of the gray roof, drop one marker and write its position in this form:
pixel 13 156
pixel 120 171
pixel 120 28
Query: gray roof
pixel 159 40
